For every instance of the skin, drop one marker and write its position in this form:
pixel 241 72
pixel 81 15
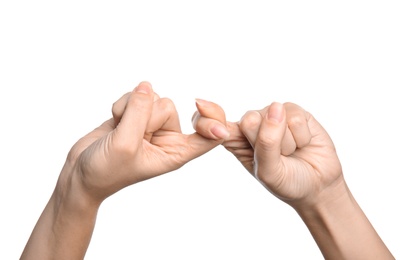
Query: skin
pixel 292 156
pixel 282 146
pixel 142 140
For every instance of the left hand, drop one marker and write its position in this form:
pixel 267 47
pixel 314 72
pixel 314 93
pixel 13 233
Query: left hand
pixel 141 141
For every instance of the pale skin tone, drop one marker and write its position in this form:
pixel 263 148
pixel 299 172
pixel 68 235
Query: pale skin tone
pixel 142 140
pixel 282 146
pixel 289 152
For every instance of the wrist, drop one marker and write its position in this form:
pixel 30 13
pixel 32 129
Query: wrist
pixel 65 227
pixel 329 218
pixel 340 227
pixel 70 193
pixel 329 199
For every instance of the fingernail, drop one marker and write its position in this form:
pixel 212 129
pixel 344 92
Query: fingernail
pixel 202 102
pixel 143 87
pixel 220 131
pixel 275 112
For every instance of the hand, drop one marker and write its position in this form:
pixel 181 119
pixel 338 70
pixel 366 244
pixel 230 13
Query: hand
pixel 290 153
pixel 283 146
pixel 141 141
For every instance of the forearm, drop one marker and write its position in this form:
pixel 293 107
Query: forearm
pixel 342 230
pixel 64 228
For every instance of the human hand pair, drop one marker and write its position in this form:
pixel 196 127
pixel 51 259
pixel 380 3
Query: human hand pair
pixel 283 146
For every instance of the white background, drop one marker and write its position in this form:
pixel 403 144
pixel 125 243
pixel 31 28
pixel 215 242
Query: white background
pixel 350 63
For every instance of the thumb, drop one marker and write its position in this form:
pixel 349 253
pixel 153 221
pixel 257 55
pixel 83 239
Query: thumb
pixel 131 129
pixel 268 145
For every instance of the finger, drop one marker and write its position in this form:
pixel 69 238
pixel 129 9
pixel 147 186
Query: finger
pixel 297 120
pixel 156 97
pixel 118 107
pixel 269 142
pixel 213 114
pixel 288 144
pixel 196 146
pixel 237 140
pixel 137 113
pixel 239 146
pixel 210 120
pixel 210 110
pixel 249 125
pixel 163 117
pixel 210 128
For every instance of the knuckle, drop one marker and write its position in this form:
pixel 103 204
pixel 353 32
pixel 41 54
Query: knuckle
pixel 117 106
pixel 292 106
pixel 168 109
pixel 167 105
pixel 135 100
pixel 251 120
pixel 296 121
pixel 139 99
pixel 289 104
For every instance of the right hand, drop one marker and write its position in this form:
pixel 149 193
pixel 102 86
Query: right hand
pixel 283 147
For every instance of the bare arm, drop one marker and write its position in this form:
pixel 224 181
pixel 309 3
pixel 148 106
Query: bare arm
pixel 340 227
pixel 141 141
pixel 64 229
pixel 290 153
